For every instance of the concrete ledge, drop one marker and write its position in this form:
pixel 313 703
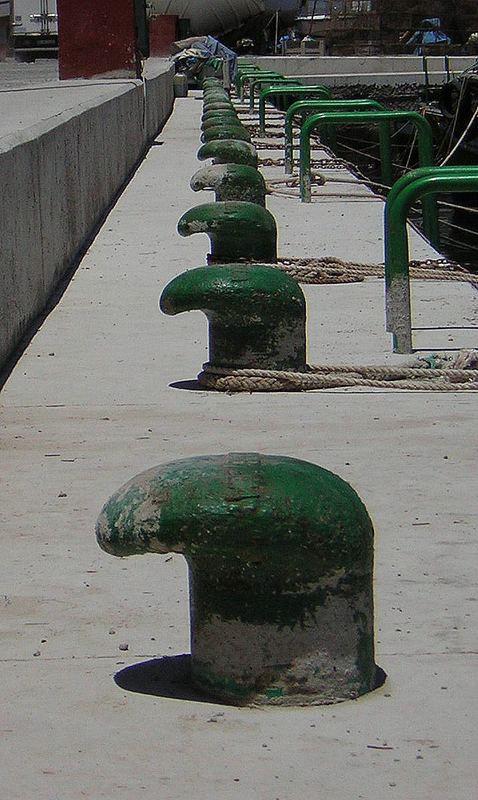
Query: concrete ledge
pixel 58 178
pixel 335 70
pixel 376 78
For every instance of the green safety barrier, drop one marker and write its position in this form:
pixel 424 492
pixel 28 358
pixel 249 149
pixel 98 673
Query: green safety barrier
pixel 303 106
pixel 318 91
pixel 243 79
pixel 419 184
pixel 383 118
pixel 269 82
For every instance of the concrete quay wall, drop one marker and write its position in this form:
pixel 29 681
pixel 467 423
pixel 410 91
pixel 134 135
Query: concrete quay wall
pixel 58 177
pixel 343 70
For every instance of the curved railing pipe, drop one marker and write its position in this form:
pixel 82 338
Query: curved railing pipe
pixel 303 106
pixel 416 185
pixel 269 82
pixel 319 91
pixel 383 118
pixel 243 79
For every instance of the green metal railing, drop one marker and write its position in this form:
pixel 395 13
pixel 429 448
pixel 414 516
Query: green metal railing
pixel 317 91
pixel 383 118
pixel 248 76
pixel 419 184
pixel 303 106
pixel 278 82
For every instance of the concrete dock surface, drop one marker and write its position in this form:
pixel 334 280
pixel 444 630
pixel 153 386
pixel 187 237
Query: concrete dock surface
pixel 101 393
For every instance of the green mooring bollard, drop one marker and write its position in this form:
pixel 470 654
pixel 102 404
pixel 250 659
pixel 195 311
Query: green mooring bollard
pixel 256 314
pixel 237 230
pixel 231 182
pixel 216 94
pixel 217 105
pixel 280 556
pixel 221 114
pixel 229 151
pixel 226 131
pixel 228 120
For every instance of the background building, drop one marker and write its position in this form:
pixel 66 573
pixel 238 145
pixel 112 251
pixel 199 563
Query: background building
pixel 379 26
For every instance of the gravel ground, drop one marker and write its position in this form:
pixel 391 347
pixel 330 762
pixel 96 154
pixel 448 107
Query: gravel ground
pixel 14 73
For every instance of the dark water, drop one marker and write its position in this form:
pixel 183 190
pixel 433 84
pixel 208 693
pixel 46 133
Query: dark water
pixel 458 227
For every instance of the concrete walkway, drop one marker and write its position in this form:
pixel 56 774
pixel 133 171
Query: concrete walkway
pixel 90 404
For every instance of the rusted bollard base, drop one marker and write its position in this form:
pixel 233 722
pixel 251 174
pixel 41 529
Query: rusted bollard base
pixel 253 664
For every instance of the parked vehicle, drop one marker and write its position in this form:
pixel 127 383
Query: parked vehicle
pixel 34 29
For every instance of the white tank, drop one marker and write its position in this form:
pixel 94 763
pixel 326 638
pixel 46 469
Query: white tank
pixel 215 16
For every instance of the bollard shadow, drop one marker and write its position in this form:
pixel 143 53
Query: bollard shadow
pixel 169 676
pixel 191 386
pixel 380 678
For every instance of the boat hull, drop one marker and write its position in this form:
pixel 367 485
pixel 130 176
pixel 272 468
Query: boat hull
pixel 216 16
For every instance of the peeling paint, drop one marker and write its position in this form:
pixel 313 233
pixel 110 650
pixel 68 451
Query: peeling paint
pixel 280 553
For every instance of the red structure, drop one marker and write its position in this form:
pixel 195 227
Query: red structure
pixel 162 33
pixel 4 28
pixel 97 39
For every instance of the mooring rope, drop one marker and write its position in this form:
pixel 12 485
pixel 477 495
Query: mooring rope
pixel 330 269
pixel 223 379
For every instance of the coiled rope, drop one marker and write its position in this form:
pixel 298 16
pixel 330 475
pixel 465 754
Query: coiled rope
pixel 223 379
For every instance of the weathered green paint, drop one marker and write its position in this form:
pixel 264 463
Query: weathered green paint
pixel 318 91
pixel 226 131
pixel 305 106
pixel 416 185
pixel 280 553
pixel 231 182
pixel 218 105
pixel 237 230
pixel 256 314
pixel 215 94
pixel 229 119
pixel 383 119
pixel 210 118
pixel 229 151
pixel 210 81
